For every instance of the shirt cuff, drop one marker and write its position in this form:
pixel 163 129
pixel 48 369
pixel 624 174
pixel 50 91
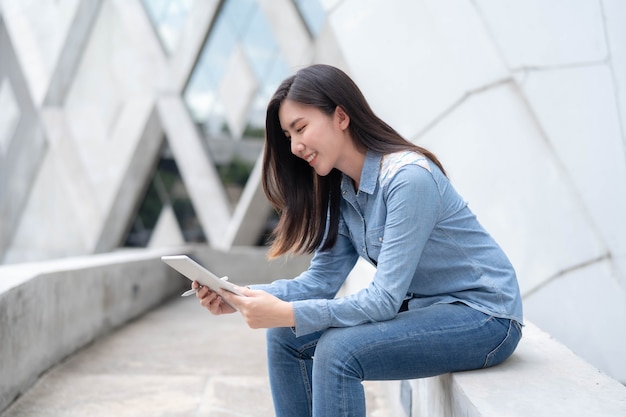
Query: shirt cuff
pixel 311 316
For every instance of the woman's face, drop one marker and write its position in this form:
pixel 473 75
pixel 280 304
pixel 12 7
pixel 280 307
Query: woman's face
pixel 317 137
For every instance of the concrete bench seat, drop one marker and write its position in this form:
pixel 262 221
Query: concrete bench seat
pixel 542 378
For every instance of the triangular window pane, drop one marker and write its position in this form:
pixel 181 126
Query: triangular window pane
pixel 166 188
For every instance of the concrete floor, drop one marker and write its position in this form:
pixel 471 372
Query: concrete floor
pixel 177 360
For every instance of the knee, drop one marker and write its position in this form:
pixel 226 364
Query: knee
pixel 279 336
pixel 336 350
pixel 283 343
pixel 332 344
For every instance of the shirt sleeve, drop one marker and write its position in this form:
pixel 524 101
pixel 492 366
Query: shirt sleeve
pixel 413 205
pixel 324 277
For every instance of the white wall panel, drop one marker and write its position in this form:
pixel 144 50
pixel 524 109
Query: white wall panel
pixel 614 12
pixel 587 141
pixel 524 103
pixel 586 310
pixel 536 33
pixel 498 159
pixel 425 56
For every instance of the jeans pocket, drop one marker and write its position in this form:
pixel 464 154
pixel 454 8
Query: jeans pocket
pixel 508 344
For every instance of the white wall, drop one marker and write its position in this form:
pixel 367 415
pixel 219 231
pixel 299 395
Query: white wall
pixel 525 103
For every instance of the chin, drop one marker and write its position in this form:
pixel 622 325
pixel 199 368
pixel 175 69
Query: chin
pixel 322 172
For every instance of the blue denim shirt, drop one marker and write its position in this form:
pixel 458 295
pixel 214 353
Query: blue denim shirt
pixel 426 244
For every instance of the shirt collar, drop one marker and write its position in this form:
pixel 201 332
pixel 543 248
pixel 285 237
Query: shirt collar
pixel 369 173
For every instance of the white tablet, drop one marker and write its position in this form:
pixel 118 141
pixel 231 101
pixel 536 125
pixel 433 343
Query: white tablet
pixel 196 272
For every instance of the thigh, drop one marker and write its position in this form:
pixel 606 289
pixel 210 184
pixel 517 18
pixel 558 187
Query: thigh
pixel 422 342
pixel 283 340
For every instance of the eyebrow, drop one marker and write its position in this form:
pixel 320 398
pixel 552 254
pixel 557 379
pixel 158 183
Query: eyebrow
pixel 293 123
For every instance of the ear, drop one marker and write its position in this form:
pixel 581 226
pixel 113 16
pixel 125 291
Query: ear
pixel 342 118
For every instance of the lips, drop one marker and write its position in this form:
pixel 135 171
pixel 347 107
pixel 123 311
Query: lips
pixel 311 157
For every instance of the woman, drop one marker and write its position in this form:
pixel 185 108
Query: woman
pixel 444 296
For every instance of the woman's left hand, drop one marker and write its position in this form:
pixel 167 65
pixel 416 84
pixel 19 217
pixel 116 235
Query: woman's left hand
pixel 261 309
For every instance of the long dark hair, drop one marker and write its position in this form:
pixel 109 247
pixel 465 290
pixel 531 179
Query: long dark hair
pixel 307 203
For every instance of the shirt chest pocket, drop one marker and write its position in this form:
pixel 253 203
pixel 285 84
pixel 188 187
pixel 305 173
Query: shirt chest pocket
pixel 374 242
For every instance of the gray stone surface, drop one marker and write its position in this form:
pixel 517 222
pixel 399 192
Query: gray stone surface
pixel 177 360
pixel 50 310
pixel 542 378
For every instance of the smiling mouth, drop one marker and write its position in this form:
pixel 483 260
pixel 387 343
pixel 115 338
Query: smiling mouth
pixel 311 157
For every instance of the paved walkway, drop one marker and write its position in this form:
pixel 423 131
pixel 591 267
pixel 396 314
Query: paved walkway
pixel 177 360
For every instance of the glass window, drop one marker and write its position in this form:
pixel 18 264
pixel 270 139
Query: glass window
pixel 165 189
pixel 168 18
pixel 239 68
pixel 313 14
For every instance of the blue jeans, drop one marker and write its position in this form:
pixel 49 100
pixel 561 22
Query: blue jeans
pixel 417 343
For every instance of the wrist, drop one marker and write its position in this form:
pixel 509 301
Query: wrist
pixel 290 315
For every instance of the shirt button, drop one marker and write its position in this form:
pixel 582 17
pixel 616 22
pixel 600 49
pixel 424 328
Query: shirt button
pixel 380 239
pixel 363 249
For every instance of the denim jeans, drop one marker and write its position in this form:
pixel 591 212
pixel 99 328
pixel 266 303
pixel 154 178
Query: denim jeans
pixel 320 374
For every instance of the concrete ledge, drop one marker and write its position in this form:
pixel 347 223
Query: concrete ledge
pixel 48 310
pixel 542 378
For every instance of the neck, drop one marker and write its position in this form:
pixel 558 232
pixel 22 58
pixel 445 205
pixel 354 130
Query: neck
pixel 353 166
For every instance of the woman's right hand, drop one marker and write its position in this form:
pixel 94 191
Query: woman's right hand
pixel 211 300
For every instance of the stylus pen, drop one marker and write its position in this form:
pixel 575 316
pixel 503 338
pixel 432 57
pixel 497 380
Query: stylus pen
pixel 195 290
pixel 190 292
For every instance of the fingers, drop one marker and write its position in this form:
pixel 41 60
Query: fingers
pixel 235 301
pixel 206 296
pixel 201 291
pixel 211 300
pixel 245 290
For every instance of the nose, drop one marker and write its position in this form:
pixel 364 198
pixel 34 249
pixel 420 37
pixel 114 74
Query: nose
pixel 297 147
